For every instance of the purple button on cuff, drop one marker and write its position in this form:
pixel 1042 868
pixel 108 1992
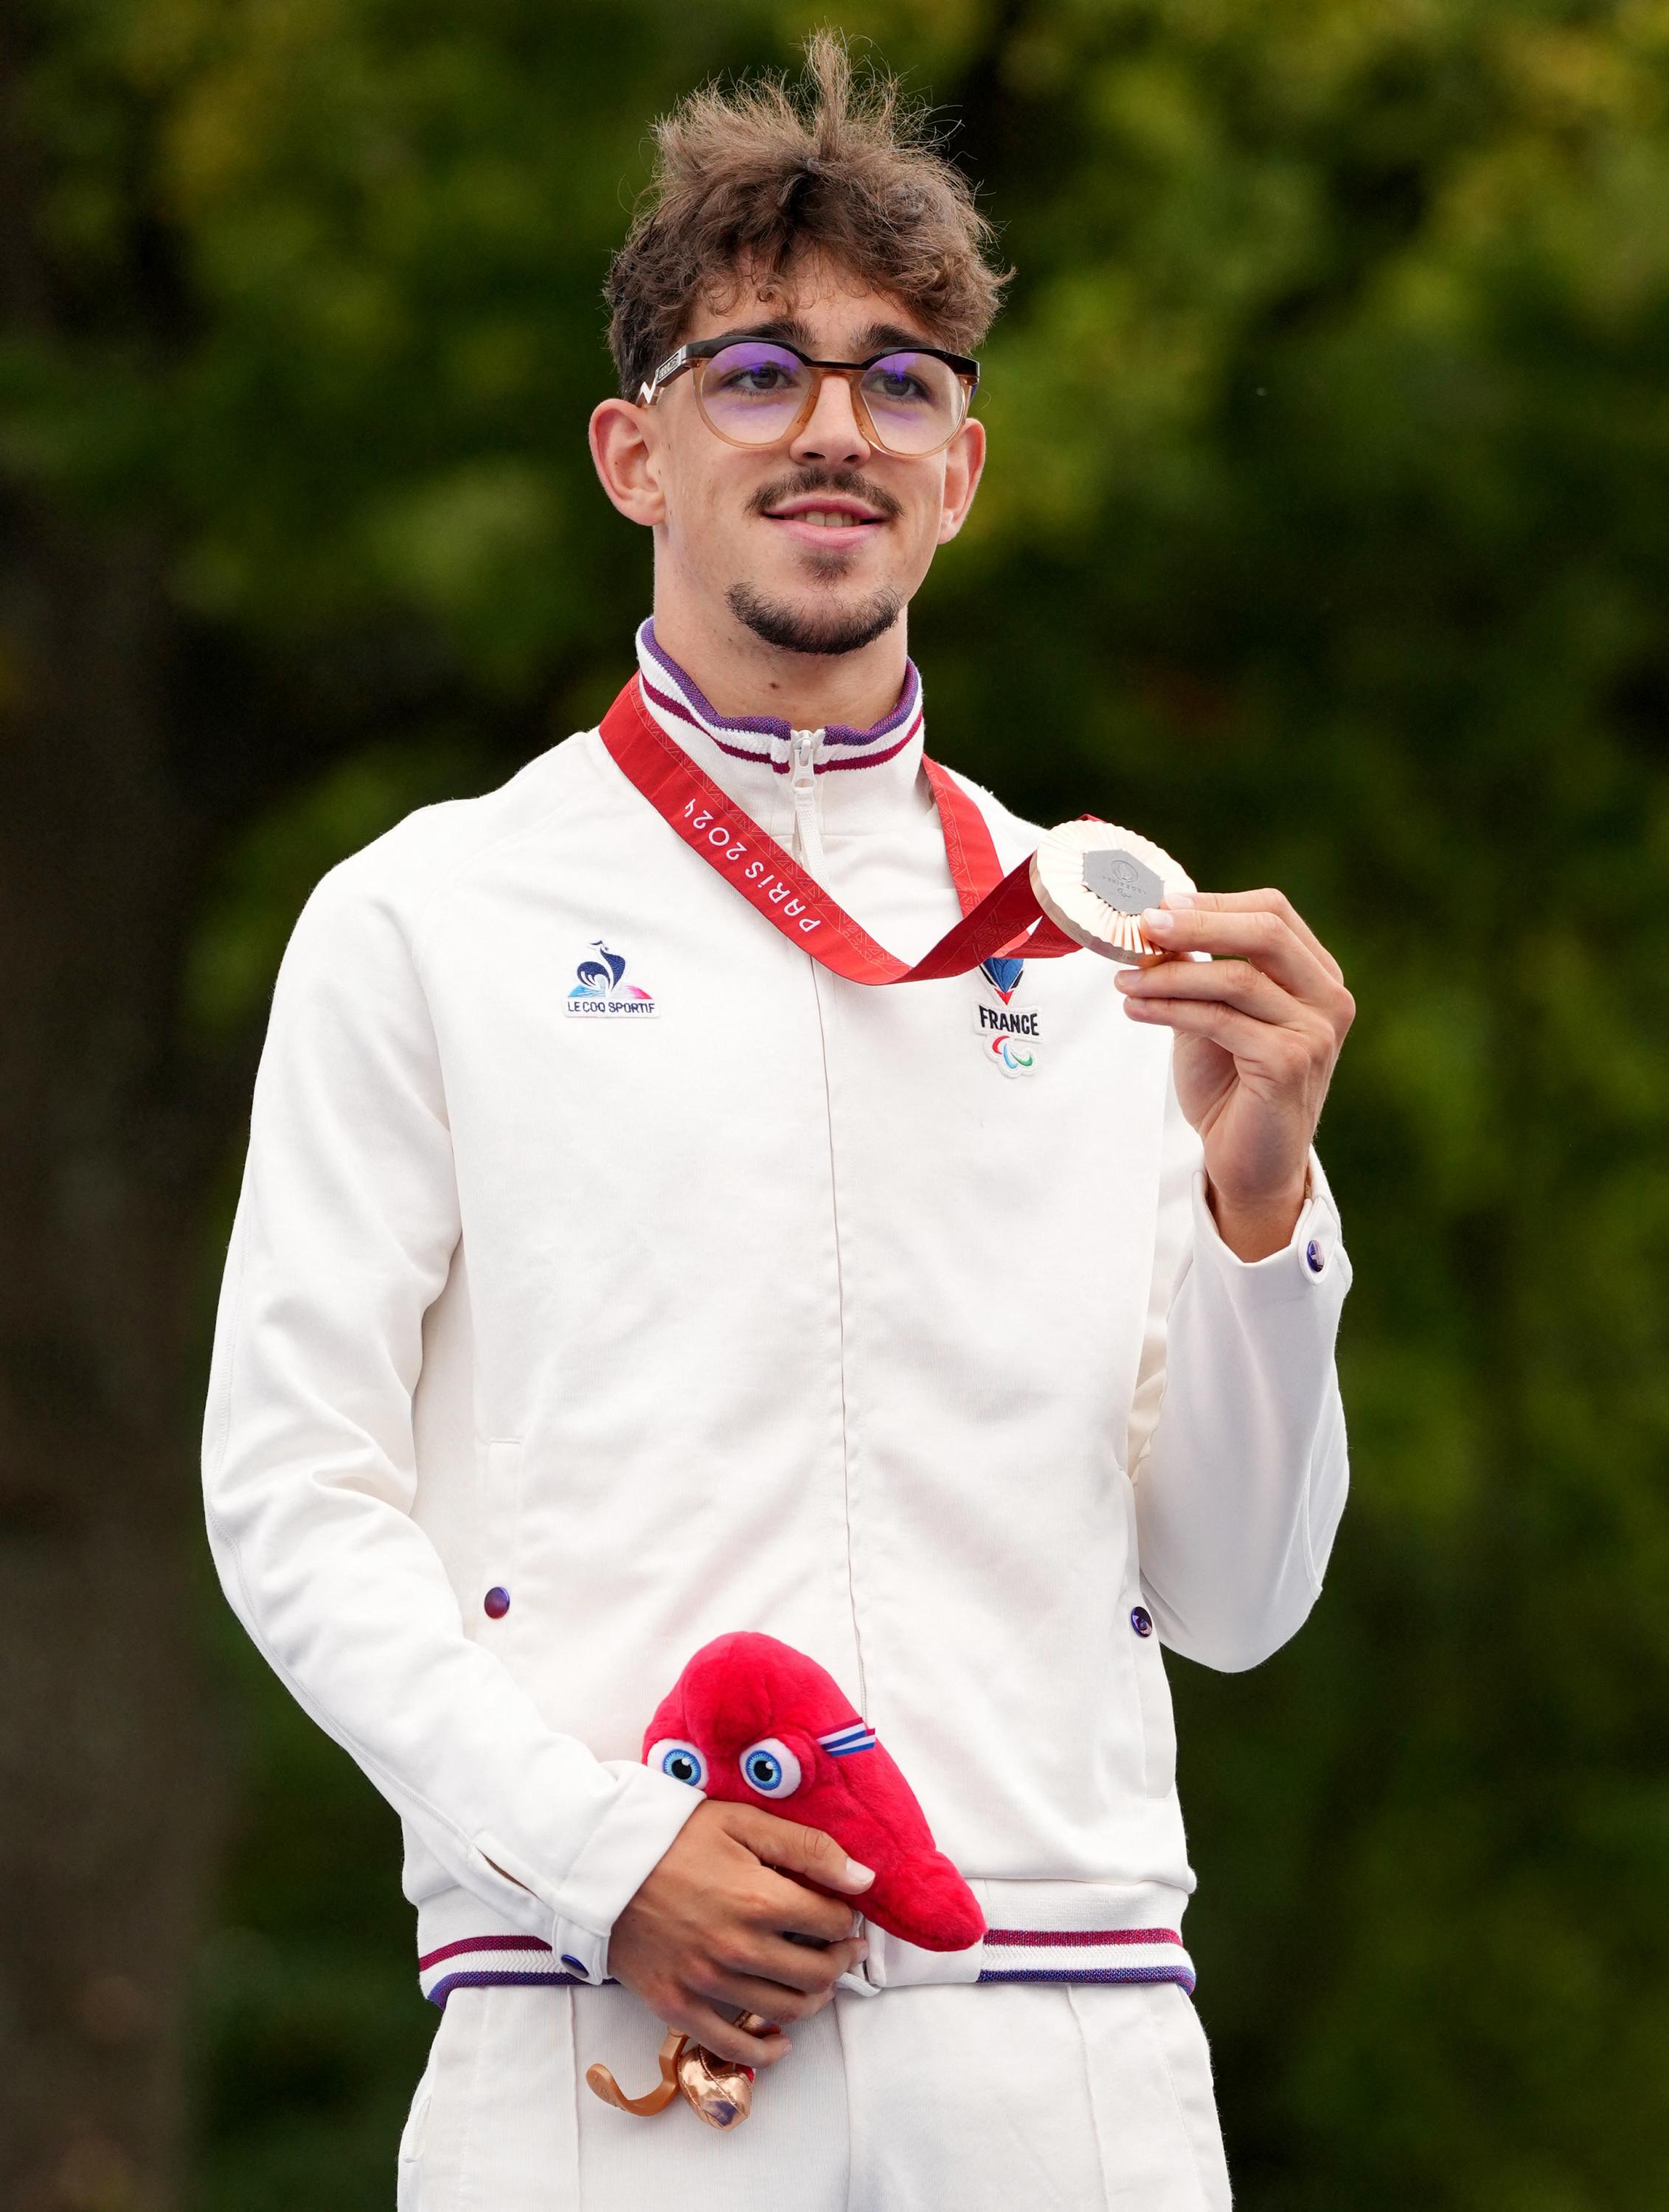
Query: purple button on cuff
pixel 496 1602
pixel 1315 1258
pixel 1141 1620
pixel 575 1965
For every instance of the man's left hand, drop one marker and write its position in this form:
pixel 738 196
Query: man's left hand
pixel 1258 1029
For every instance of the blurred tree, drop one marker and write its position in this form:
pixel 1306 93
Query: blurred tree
pixel 1326 538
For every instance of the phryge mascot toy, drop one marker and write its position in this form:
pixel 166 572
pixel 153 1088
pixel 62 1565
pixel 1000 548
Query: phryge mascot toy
pixel 753 1721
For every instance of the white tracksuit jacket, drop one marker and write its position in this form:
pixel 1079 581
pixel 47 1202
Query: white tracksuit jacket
pixel 697 1289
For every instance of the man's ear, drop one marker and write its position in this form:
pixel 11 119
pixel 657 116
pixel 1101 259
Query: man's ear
pixel 626 453
pixel 965 463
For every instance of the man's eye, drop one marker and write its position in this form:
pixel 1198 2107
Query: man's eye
pixel 894 384
pixel 769 378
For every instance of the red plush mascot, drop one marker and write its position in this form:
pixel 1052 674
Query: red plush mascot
pixel 754 1721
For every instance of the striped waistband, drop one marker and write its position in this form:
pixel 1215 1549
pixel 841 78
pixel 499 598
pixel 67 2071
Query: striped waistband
pixel 1085 1954
pixel 1112 1953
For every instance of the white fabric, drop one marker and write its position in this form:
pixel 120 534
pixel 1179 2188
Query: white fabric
pixel 1046 2097
pixel 778 1307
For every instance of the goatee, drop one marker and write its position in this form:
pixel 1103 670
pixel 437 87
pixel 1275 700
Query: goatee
pixel 793 630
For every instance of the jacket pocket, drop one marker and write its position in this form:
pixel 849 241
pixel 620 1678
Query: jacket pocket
pixel 1159 1731
pixel 1152 1693
pixel 408 2195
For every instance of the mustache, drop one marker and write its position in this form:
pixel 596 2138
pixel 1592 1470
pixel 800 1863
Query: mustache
pixel 805 481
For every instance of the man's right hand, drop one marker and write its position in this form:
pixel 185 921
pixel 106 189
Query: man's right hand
pixel 711 1927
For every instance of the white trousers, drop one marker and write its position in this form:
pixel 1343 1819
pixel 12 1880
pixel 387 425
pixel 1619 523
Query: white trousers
pixel 1010 2097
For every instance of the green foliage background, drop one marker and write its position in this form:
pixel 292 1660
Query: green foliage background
pixel 1326 538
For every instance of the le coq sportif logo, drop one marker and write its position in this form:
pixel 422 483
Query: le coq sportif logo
pixel 600 989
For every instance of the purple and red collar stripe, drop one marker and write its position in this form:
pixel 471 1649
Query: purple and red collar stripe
pixel 673 692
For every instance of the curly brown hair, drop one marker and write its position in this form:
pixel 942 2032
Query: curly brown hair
pixel 749 182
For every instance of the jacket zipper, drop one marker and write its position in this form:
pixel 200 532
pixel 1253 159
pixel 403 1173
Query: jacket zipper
pixel 808 848
pixel 802 786
pixel 818 982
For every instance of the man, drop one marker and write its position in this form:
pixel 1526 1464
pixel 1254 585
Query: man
pixel 613 1271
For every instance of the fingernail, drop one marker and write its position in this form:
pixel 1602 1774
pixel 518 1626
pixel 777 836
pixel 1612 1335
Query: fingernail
pixel 862 1950
pixel 1156 922
pixel 1177 900
pixel 858 1876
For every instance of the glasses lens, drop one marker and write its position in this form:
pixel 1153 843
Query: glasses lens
pixel 915 401
pixel 752 390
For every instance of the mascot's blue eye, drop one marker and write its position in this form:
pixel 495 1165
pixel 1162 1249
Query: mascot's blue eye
pixel 770 1767
pixel 681 1761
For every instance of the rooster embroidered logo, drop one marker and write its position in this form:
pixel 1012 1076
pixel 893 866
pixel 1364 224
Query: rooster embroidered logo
pixel 601 987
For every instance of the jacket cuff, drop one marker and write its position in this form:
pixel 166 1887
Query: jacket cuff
pixel 624 1848
pixel 1312 1259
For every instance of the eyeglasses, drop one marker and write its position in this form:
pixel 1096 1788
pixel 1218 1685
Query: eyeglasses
pixel 910 401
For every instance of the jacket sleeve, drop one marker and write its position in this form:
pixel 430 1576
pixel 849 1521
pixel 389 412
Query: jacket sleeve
pixel 344 1232
pixel 1236 1445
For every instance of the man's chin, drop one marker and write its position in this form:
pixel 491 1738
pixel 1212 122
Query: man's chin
pixel 824 626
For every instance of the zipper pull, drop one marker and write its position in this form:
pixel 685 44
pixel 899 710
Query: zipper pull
pixel 802 785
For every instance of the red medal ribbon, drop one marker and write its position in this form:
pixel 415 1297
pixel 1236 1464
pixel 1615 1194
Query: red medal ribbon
pixel 1000 913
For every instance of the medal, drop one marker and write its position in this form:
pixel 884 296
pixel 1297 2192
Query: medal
pixel 1093 881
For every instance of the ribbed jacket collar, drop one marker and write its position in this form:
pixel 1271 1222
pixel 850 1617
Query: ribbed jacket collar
pixel 866 779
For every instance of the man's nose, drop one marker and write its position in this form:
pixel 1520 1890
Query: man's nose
pixel 831 431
